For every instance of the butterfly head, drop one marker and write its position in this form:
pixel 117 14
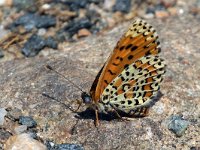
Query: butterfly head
pixel 86 98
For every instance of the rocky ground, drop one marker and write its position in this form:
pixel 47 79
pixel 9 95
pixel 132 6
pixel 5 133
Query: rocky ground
pixel 173 122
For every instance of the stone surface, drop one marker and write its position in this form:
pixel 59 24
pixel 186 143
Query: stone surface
pixel 23 81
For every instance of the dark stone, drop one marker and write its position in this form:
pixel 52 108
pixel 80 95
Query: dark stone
pixel 122 5
pixel 25 5
pixel 1 53
pixel 62 36
pixel 177 125
pixel 150 10
pixel 4 135
pixel 75 5
pixel 27 120
pixel 30 21
pixel 74 26
pixel 69 147
pixel 51 42
pixel 153 9
pixel 64 146
pixel 14 113
pixel 93 15
pixel 33 46
pixel 160 7
pixel 36 43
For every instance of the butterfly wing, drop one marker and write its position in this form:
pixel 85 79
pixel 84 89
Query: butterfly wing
pixel 138 42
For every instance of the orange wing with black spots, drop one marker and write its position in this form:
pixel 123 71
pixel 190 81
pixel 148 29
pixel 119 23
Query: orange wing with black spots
pixel 139 41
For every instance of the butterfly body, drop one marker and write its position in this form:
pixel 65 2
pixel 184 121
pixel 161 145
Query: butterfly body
pixel 131 77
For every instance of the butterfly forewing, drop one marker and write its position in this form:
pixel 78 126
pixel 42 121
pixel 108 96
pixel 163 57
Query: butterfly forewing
pixel 128 49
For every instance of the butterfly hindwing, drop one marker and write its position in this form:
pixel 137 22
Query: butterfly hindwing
pixel 135 91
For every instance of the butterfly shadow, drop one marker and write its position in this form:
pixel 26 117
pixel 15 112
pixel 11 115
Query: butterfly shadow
pixel 90 114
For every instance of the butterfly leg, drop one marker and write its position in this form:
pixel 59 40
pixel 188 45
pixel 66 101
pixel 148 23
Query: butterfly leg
pixel 118 115
pixel 79 102
pixel 97 118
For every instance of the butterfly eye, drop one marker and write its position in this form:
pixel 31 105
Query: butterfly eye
pixel 86 98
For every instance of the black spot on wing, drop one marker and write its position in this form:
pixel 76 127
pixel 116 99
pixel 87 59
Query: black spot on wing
pixel 134 48
pixel 130 57
pixel 129 46
pixel 119 58
pixel 121 48
pixel 112 73
pixel 129 102
pixel 125 66
pixel 114 64
pixel 106 81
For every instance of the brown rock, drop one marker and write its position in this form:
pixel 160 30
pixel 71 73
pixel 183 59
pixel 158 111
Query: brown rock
pixel 173 11
pixel 161 14
pixel 168 3
pixel 23 142
pixel 6 2
pixel 83 33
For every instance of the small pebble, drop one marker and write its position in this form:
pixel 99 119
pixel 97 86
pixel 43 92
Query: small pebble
pixel 25 4
pixel 5 2
pixel 122 6
pixel 169 3
pixel 33 46
pixel 75 5
pixel 159 7
pixel 30 21
pixel 149 16
pixel 14 113
pixel 36 43
pixel 42 32
pixel 20 129
pixel 4 135
pixel 46 6
pixel 83 33
pixel 161 14
pixel 108 4
pixel 28 121
pixel 1 53
pixel 3 112
pixel 150 10
pixel 51 43
pixel 173 11
pixel 74 26
pixel 68 147
pixel 177 125
pixel 23 142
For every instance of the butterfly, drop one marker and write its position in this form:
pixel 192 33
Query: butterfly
pixel 130 78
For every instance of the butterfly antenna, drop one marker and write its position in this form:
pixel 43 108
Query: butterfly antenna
pixel 61 75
